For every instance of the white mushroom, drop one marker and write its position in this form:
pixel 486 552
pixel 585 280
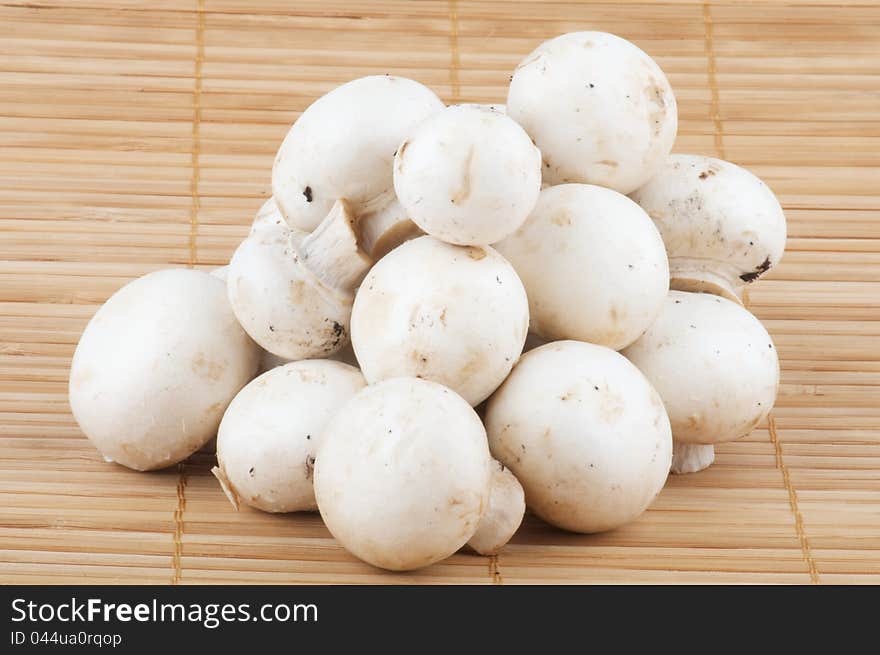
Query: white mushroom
pixel 601 110
pixel 272 429
pixel 403 472
pixel 468 175
pixel 503 516
pixel 722 226
pixel 716 369
pixel 455 315
pixel 156 367
pixel 295 299
pixel 585 434
pixel 342 146
pixel 593 265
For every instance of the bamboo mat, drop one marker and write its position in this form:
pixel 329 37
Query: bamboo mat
pixel 137 135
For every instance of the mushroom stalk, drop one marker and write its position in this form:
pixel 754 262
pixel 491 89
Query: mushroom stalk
pixel 332 252
pixel 382 230
pixel 691 457
pixel 705 276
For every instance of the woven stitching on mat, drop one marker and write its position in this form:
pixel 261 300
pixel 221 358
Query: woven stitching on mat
pixel 180 509
pixel 718 133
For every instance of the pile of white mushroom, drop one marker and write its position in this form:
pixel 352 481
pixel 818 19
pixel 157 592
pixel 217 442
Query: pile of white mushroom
pixel 436 240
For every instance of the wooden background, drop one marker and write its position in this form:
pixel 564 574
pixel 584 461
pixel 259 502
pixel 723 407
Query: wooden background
pixel 138 135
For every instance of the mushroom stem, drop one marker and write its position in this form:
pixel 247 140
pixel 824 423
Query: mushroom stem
pixel 691 457
pixel 332 252
pixel 226 486
pixel 704 275
pixel 382 230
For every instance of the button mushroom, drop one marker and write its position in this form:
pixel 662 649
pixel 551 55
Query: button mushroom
pixel 455 315
pixel 468 175
pixel 716 369
pixel 722 226
pixel 584 432
pixel 342 146
pixel 156 367
pixel 601 110
pixel 502 518
pixel 592 263
pixel 403 472
pixel 272 429
pixel 295 299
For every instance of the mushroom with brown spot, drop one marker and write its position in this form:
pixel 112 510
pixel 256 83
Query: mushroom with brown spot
pixel 402 477
pixel 592 263
pixel 156 367
pixel 468 175
pixel 722 226
pixel 716 369
pixel 599 108
pixel 272 429
pixel 585 434
pixel 455 315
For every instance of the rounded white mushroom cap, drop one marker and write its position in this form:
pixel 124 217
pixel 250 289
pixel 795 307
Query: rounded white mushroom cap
pixel 343 145
pixel 503 516
pixel 601 110
pixel 272 429
pixel 592 263
pixel 468 175
pixel 294 299
pixel 402 476
pixel 282 305
pixel 722 226
pixel 585 434
pixel 713 364
pixel 455 315
pixel 156 367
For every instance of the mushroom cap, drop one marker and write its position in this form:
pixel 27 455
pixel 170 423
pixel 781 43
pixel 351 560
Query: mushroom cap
pixel 715 218
pixel 585 434
pixel 452 314
pixel 272 429
pixel 713 364
pixel 611 117
pixel 343 145
pixel 281 304
pixel 156 367
pixel 592 263
pixel 402 475
pixel 503 516
pixel 468 175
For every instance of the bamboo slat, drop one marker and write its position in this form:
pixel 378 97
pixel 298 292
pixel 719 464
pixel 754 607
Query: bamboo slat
pixel 136 137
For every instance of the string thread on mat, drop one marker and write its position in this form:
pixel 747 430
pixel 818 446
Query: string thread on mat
pixel 715 106
pixel 177 554
pixel 455 60
pixel 195 149
pixel 793 503
pixel 180 509
pixel 495 570
pixel 454 65
pixel 718 130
